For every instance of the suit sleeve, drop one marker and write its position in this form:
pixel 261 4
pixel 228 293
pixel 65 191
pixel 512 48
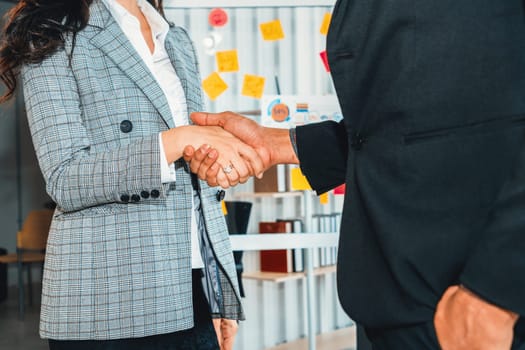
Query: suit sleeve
pixel 76 175
pixel 495 270
pixel 323 153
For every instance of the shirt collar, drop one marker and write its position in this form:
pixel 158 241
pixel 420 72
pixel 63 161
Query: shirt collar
pixel 159 26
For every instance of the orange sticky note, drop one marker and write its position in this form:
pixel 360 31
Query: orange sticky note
pixel 253 86
pixel 224 209
pixel 298 180
pixel 227 61
pixel 214 86
pixel 326 23
pixel 272 31
pixel 323 199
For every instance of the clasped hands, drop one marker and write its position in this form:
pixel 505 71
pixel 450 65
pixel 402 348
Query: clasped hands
pixel 256 148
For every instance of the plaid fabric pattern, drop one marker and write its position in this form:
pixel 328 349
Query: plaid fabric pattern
pixel 116 269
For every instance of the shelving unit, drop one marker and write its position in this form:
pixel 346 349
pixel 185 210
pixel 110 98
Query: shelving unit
pixel 279 277
pixel 306 241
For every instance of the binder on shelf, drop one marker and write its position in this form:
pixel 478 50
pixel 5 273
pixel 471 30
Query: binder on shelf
pixel 275 179
pixel 326 223
pixel 296 179
pixel 276 260
pixel 315 256
pixel 297 254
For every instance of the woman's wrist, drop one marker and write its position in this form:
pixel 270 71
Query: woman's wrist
pixel 174 141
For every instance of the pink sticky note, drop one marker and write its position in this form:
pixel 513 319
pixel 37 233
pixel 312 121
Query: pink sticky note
pixel 217 17
pixel 340 189
pixel 324 57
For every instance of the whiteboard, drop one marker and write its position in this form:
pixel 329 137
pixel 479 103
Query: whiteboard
pixel 168 4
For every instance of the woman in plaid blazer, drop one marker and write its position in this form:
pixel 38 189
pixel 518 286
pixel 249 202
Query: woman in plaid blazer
pixel 119 260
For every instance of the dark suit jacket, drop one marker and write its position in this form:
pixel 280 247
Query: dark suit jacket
pixel 432 151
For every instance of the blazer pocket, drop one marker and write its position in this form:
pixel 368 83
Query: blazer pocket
pixel 478 128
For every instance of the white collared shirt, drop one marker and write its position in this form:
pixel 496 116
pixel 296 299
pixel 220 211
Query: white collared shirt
pixel 164 73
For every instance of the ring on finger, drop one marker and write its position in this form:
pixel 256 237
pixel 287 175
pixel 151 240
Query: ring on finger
pixel 228 169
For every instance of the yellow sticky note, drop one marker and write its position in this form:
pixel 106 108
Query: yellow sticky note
pixel 323 199
pixel 253 86
pixel 213 85
pixel 224 209
pixel 326 23
pixel 227 61
pixel 272 31
pixel 298 180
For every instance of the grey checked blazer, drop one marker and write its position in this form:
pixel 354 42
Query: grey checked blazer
pixel 118 257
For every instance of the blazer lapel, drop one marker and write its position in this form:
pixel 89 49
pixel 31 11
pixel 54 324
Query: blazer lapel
pixel 114 43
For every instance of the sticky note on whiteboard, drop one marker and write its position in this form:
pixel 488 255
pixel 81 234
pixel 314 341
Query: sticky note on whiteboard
pixel 227 61
pixel 214 86
pixel 326 23
pixel 340 190
pixel 272 30
pixel 217 17
pixel 253 86
pixel 324 58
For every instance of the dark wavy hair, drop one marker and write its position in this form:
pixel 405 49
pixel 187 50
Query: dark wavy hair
pixel 35 29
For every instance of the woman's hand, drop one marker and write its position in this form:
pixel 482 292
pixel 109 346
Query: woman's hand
pixel 236 161
pixel 226 331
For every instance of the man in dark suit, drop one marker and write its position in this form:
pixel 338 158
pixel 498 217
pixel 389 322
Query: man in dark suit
pixel 432 247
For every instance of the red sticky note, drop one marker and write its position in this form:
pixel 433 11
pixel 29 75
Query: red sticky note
pixel 340 189
pixel 324 57
pixel 217 17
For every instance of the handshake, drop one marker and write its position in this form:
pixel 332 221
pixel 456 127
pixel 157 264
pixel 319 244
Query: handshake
pixel 226 149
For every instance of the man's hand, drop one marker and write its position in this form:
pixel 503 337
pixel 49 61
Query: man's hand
pixel 273 145
pixel 464 321
pixel 226 331
pixel 203 163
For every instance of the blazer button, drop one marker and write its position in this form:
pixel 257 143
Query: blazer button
pixel 358 141
pixel 135 198
pixel 220 195
pixel 144 194
pixel 155 194
pixel 126 126
pixel 124 198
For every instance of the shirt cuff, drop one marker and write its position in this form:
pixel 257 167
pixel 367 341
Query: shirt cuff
pixel 293 140
pixel 167 171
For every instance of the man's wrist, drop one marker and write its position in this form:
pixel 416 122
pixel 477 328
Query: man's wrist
pixel 281 147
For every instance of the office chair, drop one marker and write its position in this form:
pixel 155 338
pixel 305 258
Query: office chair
pixel 30 248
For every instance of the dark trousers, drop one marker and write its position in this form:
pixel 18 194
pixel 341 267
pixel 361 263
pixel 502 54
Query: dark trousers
pixel 418 337
pixel 201 337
